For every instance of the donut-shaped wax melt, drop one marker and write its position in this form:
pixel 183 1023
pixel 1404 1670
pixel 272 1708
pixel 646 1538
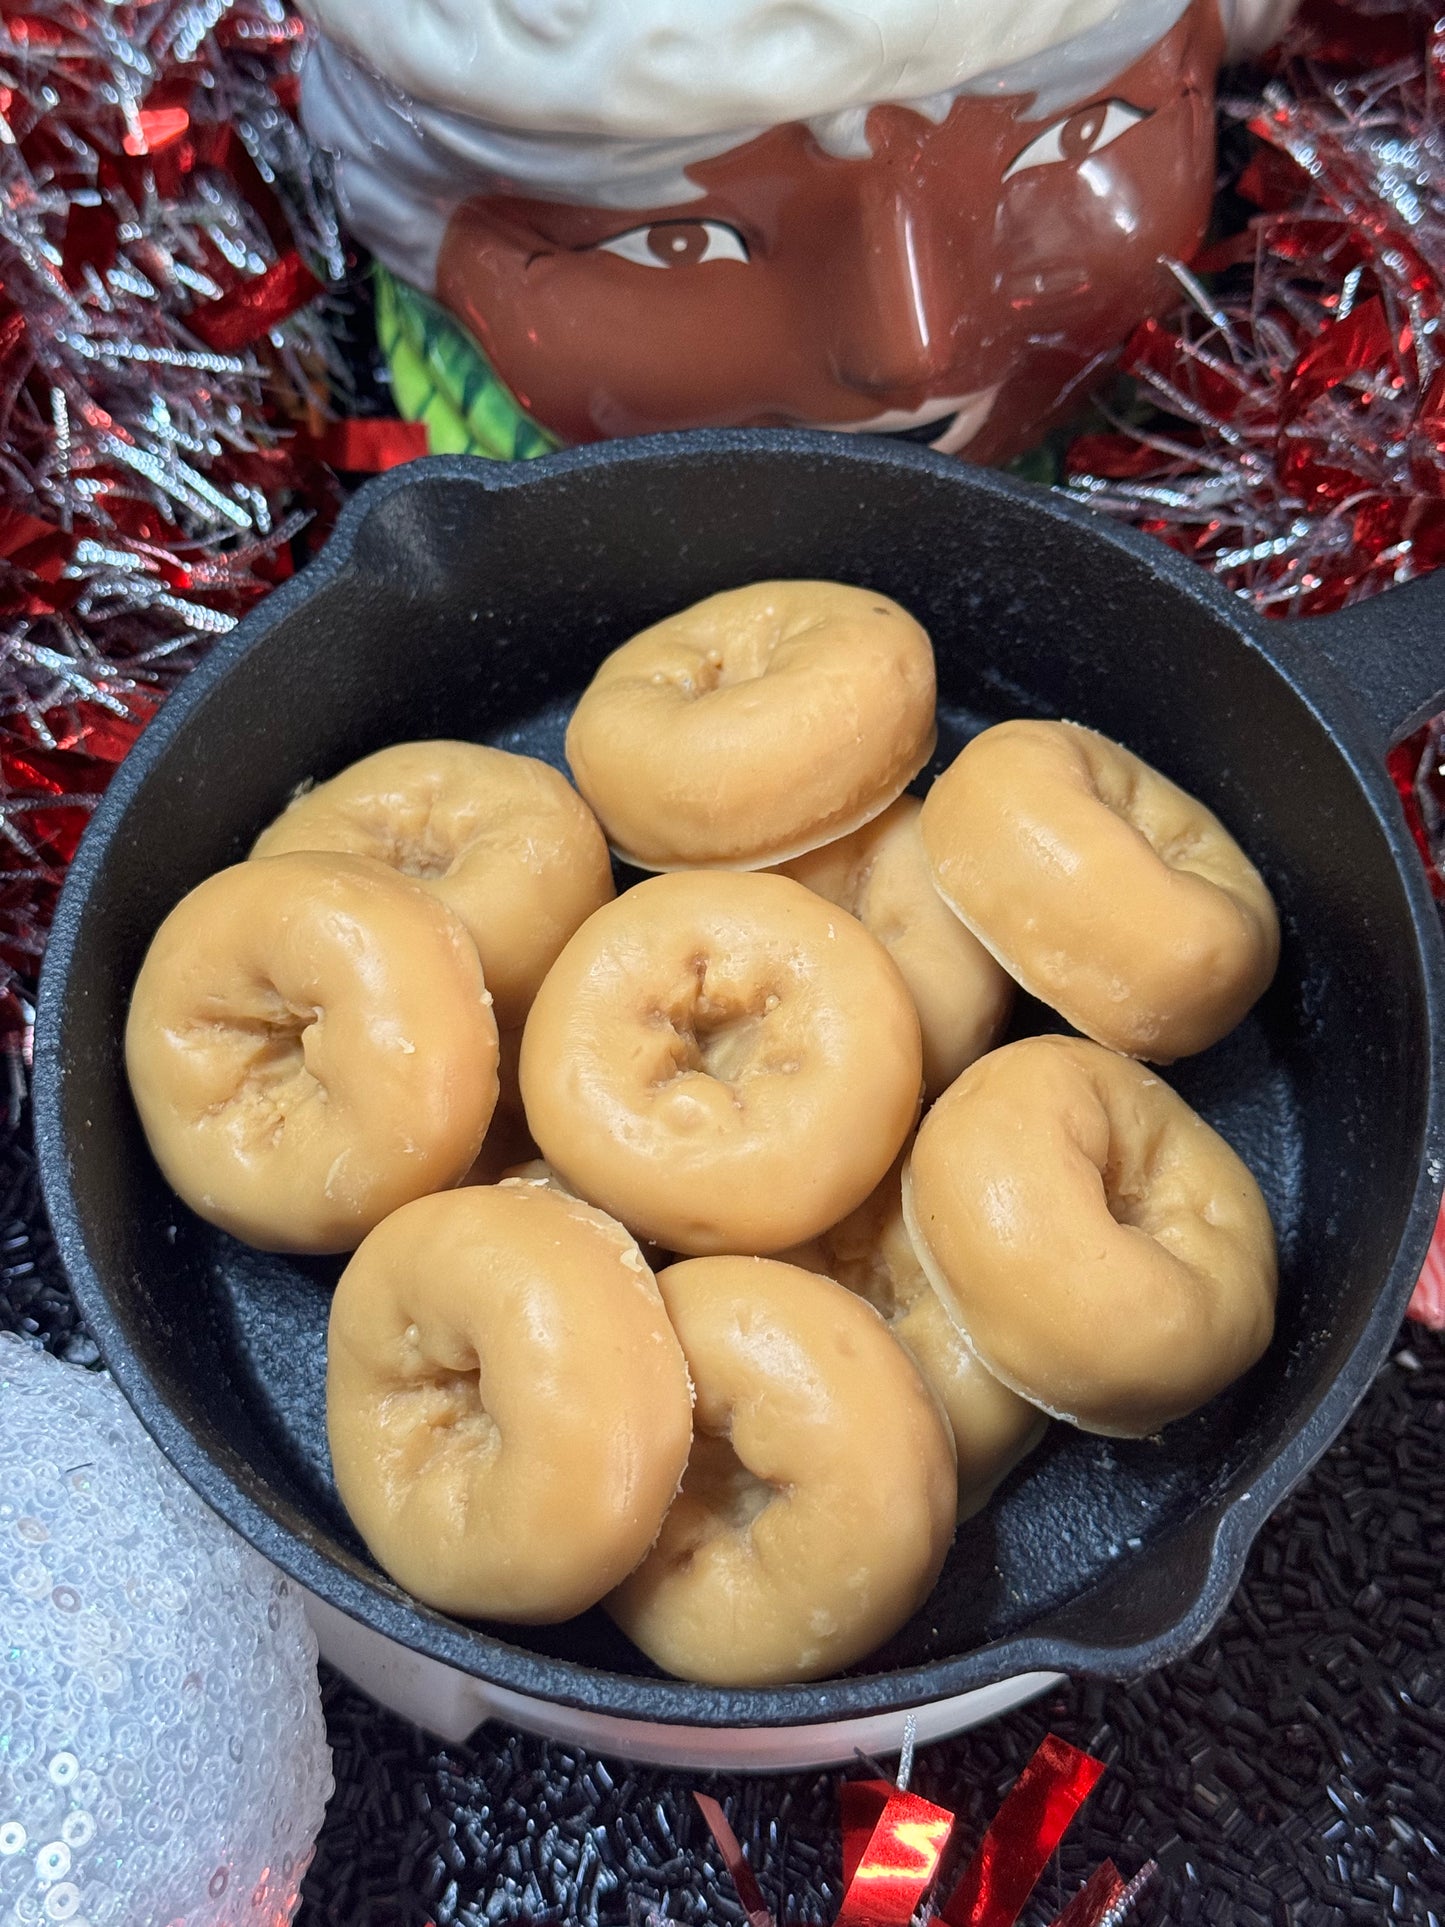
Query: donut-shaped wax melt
pixel 1106 1253
pixel 871 1254
pixel 724 1062
pixel 508 1409
pixel 503 840
pixel 1102 887
pixel 310 1045
pixel 880 875
pixel 755 725
pixel 818 1503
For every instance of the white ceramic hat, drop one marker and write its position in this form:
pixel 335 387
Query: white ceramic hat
pixel 424 103
pixel 677 69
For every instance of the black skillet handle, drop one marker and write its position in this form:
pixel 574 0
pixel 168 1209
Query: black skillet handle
pixel 1391 651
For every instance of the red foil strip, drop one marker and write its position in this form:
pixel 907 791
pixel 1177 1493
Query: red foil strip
pixel 749 1892
pixel 156 127
pixel 21 532
pixel 1090 1906
pixel 255 307
pixel 1026 1830
pixel 892 1844
pixel 369 447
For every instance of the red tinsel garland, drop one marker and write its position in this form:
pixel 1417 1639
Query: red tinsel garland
pixel 161 235
pixel 1296 440
pixel 1295 436
pixel 1298 448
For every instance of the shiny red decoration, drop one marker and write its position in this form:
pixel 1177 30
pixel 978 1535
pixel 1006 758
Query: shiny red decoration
pixel 1093 1903
pixel 1020 1843
pixel 371 446
pixel 253 308
pixel 1296 443
pixel 894 1841
pixel 1417 769
pixel 156 127
pixel 735 1860
pixel 153 362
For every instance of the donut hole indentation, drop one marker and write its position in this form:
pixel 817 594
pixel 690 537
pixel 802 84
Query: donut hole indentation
pixel 427 863
pixel 744 658
pixel 1128 1208
pixel 1130 1180
pixel 721 1031
pixel 749 656
pixel 726 1042
pixel 445 1412
pixel 1118 787
pixel 421 851
pixel 276 1076
pixel 732 1496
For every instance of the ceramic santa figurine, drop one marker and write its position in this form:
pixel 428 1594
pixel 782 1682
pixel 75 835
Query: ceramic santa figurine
pixel 935 219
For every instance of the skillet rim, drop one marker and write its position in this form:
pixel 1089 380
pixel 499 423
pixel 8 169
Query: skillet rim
pixel 282 1532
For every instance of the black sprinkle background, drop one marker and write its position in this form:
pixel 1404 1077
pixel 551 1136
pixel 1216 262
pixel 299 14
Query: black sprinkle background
pixel 1290 1774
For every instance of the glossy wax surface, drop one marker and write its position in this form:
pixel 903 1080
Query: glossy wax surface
pixel 880 874
pixel 725 1062
pixel 1106 1252
pixel 755 724
pixel 1109 892
pixel 503 840
pixel 818 1503
pixel 871 1253
pixel 310 1044
pixel 508 1410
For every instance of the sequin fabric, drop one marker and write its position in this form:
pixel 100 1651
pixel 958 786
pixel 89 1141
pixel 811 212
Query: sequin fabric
pixel 163 1758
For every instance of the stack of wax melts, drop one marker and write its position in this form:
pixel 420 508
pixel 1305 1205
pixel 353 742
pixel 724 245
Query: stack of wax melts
pixel 712 1257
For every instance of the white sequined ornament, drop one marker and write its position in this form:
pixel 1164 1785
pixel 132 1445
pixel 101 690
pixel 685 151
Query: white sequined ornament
pixel 163 1759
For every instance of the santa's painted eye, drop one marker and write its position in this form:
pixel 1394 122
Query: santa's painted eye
pixel 678 244
pixel 1079 135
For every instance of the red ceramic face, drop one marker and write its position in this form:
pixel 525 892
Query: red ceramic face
pixel 954 286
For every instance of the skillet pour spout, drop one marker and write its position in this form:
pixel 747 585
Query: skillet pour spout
pixel 473 599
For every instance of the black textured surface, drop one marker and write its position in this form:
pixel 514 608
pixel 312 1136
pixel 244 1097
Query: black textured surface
pixel 435 611
pixel 1289 1773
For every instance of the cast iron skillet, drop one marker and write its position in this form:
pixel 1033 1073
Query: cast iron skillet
pixel 472 599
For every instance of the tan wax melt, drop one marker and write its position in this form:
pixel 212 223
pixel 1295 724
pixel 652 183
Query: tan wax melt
pixel 1103 888
pixel 508 1408
pixel 539 1174
pixel 818 1504
pixel 503 840
pixel 881 875
pixel 508 1141
pixel 871 1254
pixel 724 1062
pixel 310 1045
pixel 755 725
pixel 1107 1254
